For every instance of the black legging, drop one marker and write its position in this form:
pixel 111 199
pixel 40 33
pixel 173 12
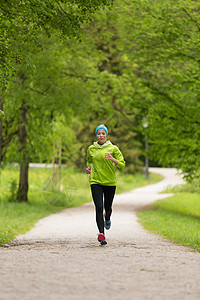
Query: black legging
pixel 98 191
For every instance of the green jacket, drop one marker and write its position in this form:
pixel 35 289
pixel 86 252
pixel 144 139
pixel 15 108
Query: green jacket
pixel 103 169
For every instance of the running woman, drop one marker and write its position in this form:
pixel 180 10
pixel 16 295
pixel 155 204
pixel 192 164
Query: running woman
pixel 102 159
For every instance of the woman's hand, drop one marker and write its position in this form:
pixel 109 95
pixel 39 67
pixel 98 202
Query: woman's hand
pixel 110 157
pixel 88 170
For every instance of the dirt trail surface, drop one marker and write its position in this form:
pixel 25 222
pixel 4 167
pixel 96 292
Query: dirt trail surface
pixel 61 259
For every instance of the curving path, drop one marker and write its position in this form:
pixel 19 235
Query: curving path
pixel 60 258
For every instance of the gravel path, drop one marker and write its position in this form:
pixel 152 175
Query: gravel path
pixel 61 259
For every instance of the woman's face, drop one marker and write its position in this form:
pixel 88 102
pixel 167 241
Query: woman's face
pixel 101 136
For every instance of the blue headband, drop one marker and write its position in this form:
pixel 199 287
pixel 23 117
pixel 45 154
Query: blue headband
pixel 101 127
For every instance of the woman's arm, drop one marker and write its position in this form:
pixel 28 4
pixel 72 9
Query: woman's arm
pixel 89 162
pixel 118 156
pixel 88 170
pixel 110 157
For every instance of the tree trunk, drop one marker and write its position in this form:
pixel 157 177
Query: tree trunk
pixel 59 164
pixel 1 129
pixel 22 194
pixel 53 167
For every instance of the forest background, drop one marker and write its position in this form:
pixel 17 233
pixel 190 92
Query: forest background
pixel 68 66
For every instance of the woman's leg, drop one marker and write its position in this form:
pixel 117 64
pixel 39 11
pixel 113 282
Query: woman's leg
pixel 97 195
pixel 109 193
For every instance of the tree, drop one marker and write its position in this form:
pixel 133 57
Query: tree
pixel 21 25
pixel 35 99
pixel 23 21
pixel 162 42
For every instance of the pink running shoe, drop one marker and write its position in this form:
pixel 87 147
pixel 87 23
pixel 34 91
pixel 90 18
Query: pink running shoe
pixel 102 239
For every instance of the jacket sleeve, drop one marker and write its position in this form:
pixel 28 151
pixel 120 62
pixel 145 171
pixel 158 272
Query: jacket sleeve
pixel 88 158
pixel 119 156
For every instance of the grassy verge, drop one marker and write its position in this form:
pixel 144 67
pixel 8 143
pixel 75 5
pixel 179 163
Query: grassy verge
pixel 17 218
pixel 177 218
pixel 129 182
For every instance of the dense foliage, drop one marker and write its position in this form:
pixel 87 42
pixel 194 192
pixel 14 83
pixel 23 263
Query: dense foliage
pixel 137 60
pixel 23 21
pixel 163 46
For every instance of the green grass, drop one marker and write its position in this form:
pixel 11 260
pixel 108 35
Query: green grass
pixel 193 187
pixel 18 218
pixel 177 218
pixel 129 182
